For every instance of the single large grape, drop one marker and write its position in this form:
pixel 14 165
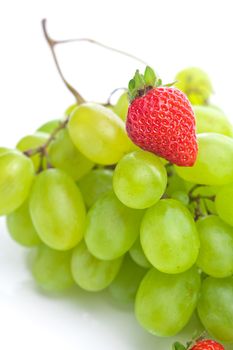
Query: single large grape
pixel 215 307
pixel 122 105
pixel 165 303
pixel 214 164
pixel 16 176
pixel 124 287
pixel 195 83
pixel 138 256
pixel 50 126
pixel 216 251
pixel 209 119
pixel 90 273
pixel 223 204
pixel 31 142
pixel 111 228
pixel 96 183
pixel 98 133
pixel 169 237
pixel 51 269
pixel 139 179
pixel 65 156
pixel 21 228
pixel 57 210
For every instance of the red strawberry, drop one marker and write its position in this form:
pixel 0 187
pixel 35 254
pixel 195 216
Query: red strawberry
pixel 207 345
pixel 161 120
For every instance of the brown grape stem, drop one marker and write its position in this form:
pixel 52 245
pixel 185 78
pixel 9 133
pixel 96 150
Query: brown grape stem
pixel 52 43
pixel 43 150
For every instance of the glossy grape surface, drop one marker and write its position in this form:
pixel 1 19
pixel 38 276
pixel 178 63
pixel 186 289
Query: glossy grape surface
pixel 51 269
pixel 31 142
pixel 214 164
pixel 209 119
pixel 223 204
pixel 169 237
pixel 21 228
pixel 139 179
pixel 65 156
pixel 90 273
pixel 98 133
pixel 122 105
pixel 165 303
pixel 50 126
pixel 215 307
pixel 111 228
pixel 216 251
pixel 57 210
pixel 16 176
pixel 138 256
pixel 96 183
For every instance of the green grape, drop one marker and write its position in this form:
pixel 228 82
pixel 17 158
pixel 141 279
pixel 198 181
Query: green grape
pixel 181 196
pixel 169 237
pixel 209 119
pixel 165 303
pixel 57 210
pixel 21 228
pixel 96 183
pixel 216 251
pixel 196 84
pixel 175 183
pixel 223 204
pixel 122 105
pixel 65 156
pixel 3 150
pixel 70 109
pixel 214 164
pixel 124 287
pixel 50 126
pixel 90 273
pixel 16 176
pixel 138 256
pixel 98 133
pixel 51 269
pixel 31 142
pixel 215 307
pixel 139 179
pixel 111 228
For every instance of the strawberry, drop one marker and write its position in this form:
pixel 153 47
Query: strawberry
pixel 201 344
pixel 207 345
pixel 161 120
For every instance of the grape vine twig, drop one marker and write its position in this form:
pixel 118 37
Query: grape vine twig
pixel 52 44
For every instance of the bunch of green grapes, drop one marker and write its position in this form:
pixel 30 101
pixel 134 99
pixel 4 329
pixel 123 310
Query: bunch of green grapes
pixel 104 214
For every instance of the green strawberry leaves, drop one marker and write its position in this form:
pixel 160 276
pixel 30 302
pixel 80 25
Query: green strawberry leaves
pixel 141 83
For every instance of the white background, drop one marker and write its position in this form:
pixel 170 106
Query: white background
pixel 169 35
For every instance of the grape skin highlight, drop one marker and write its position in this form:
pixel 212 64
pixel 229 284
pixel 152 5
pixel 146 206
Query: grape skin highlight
pixel 16 176
pixel 90 273
pixel 165 303
pixel 57 210
pixel 112 228
pixel 169 237
pixel 139 180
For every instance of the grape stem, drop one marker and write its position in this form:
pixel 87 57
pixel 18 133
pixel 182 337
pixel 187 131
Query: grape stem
pixel 43 150
pixel 52 44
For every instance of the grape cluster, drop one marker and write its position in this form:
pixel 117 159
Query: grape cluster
pixel 103 213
